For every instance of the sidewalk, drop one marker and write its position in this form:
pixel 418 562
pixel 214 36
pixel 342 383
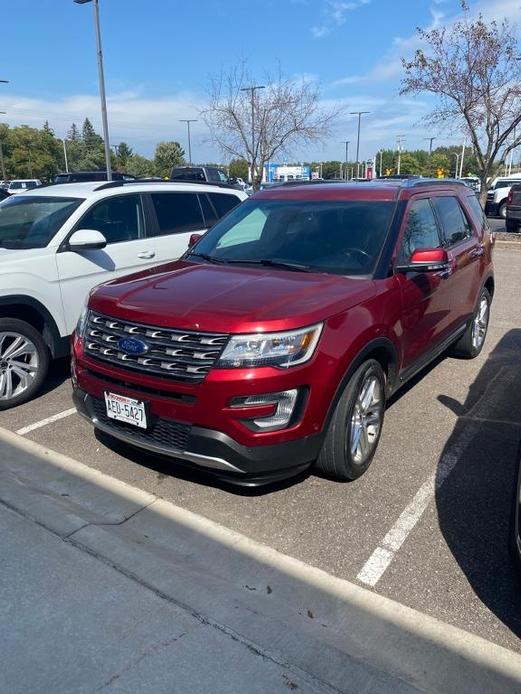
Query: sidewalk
pixel 106 587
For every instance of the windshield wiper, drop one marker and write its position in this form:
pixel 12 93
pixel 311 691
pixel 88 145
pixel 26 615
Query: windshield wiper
pixel 269 262
pixel 205 256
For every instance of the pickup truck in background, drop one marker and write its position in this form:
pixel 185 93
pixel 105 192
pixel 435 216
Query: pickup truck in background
pixel 513 209
pixel 496 205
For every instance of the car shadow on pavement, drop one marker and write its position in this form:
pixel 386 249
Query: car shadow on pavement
pixel 166 467
pixel 475 480
pixel 59 372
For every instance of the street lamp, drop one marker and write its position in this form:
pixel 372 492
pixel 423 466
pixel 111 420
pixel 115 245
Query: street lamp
pixel 346 143
pixel 188 121
pixel 2 163
pixel 359 114
pixel 252 91
pixel 101 79
pixel 455 154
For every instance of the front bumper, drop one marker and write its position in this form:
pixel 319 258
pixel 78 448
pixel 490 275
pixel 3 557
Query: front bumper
pixel 209 449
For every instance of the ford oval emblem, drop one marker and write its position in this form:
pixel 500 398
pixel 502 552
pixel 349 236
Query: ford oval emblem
pixel 132 346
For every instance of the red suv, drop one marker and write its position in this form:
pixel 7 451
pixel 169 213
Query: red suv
pixel 274 343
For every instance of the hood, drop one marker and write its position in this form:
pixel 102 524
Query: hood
pixel 215 298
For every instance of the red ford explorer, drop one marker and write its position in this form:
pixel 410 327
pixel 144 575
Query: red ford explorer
pixel 273 344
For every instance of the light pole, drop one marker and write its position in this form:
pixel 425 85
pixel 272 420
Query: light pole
pixel 65 156
pixel 346 143
pixel 359 114
pixel 188 121
pixel 399 141
pixel 381 158
pixel 252 91
pixel 431 140
pixel 455 154
pixel 101 78
pixel 2 163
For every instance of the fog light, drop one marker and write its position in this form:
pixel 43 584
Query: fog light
pixel 284 404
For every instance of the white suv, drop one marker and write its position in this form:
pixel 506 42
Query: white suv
pixel 58 242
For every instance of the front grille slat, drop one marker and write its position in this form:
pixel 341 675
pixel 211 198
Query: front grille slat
pixel 176 354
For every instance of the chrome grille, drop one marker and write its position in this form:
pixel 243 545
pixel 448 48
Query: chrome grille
pixel 177 354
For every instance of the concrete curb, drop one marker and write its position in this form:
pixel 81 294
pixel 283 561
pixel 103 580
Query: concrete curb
pixel 344 636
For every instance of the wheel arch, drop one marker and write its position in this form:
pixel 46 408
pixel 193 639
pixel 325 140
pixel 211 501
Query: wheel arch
pixel 381 349
pixel 34 312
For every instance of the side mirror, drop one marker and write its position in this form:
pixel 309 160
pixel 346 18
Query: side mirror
pixel 87 240
pixel 426 260
pixel 194 238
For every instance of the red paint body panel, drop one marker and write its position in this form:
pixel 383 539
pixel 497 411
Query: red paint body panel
pixel 412 312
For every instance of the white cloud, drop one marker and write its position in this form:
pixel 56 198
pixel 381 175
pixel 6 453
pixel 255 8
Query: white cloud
pixel 140 121
pixel 334 15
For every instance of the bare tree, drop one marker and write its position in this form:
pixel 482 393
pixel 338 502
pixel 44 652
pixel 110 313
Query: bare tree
pixel 259 124
pixel 474 68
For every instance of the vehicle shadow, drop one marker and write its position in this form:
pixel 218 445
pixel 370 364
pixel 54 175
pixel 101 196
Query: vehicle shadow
pixel 59 372
pixel 475 481
pixel 165 467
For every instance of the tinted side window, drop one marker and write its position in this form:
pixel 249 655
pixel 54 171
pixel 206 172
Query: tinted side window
pixel 421 230
pixel 223 202
pixel 455 224
pixel 477 211
pixel 177 212
pixel 118 219
pixel 210 216
pixel 212 175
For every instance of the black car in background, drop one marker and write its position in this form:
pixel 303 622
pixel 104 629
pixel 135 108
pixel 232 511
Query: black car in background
pixel 83 176
pixel 202 174
pixel 513 213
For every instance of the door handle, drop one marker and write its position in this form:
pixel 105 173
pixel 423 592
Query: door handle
pixel 146 255
pixel 443 274
pixel 477 252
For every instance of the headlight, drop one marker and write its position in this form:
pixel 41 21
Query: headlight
pixel 81 325
pixel 271 349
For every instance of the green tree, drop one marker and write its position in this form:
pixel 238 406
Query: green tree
pixel 123 152
pixel 239 169
pixel 167 155
pixel 140 166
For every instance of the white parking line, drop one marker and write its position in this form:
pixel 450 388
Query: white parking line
pixel 379 561
pixel 47 420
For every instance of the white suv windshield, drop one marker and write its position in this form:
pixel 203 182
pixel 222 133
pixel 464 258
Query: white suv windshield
pixel 31 222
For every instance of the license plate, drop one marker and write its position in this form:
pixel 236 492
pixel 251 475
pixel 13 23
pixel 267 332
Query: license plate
pixel 126 410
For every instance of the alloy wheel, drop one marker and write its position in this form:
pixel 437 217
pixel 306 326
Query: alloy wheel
pixel 480 323
pixel 366 419
pixel 18 364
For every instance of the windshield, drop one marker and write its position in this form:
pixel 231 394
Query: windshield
pixel 504 184
pixel 31 222
pixel 342 238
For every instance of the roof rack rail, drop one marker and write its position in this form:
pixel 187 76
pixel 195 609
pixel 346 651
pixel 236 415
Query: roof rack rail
pixel 139 181
pixel 418 182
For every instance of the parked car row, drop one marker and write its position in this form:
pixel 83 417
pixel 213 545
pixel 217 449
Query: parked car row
pixel 57 242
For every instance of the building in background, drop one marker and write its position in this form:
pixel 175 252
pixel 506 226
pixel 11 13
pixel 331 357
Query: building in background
pixel 284 172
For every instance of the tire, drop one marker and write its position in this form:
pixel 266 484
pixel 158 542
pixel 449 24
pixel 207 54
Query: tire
pixel 511 226
pixel 471 342
pixel 339 458
pixel 21 375
pixel 502 210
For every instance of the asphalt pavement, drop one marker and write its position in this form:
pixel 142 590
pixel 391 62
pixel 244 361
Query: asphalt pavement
pixel 427 526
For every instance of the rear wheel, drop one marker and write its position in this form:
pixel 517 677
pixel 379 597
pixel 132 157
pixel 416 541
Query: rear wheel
pixel 24 362
pixel 512 226
pixel 471 342
pixel 356 425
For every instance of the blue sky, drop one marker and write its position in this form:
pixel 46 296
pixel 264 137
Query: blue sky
pixel 161 54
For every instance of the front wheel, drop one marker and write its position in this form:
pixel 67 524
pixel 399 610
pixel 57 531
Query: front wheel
pixel 356 425
pixel 24 362
pixel 502 210
pixel 471 342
